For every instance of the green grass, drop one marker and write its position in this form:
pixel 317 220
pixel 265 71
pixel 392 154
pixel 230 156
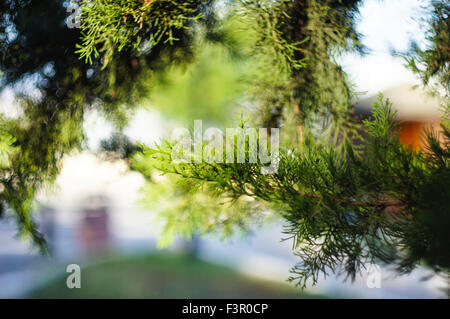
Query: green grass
pixel 164 276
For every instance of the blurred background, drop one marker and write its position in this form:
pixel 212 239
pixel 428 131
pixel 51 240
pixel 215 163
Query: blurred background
pixel 105 217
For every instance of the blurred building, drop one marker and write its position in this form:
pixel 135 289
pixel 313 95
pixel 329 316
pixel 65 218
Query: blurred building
pixel 94 227
pixel 416 110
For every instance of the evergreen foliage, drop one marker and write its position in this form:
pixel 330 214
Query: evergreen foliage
pixel 345 210
pixel 347 198
pixel 432 64
pixel 114 25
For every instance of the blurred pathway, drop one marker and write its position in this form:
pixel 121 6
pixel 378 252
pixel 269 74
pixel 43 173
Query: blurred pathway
pixel 260 254
pixel 263 255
